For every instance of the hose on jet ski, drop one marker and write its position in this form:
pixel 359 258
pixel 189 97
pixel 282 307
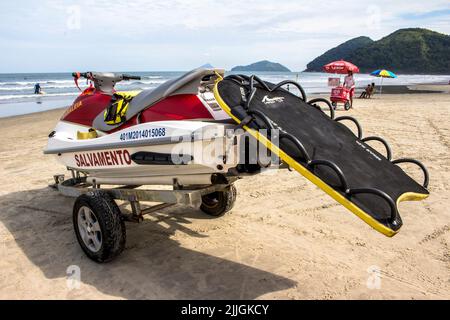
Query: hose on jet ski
pixel 78 75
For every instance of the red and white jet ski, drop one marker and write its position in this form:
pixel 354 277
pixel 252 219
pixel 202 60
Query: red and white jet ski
pixel 176 132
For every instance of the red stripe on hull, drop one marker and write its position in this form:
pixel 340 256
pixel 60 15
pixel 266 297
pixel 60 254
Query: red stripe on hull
pixel 179 107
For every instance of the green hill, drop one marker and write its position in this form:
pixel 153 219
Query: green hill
pixel 405 51
pixel 340 52
pixel 262 66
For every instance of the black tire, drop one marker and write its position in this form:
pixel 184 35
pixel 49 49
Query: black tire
pixel 334 104
pixel 112 227
pixel 218 203
pixel 347 106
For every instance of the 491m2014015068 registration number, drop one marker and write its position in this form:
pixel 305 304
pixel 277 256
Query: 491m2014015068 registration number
pixel 144 133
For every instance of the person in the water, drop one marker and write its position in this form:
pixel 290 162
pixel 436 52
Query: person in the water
pixel 37 88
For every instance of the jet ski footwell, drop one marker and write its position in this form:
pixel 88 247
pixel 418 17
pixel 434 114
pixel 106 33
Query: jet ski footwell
pixel 322 149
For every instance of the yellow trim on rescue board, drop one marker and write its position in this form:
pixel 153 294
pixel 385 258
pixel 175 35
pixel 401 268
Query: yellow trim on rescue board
pixel 313 178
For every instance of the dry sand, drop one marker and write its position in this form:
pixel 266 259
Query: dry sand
pixel 285 239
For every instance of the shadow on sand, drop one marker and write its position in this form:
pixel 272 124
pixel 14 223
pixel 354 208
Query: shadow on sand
pixel 153 266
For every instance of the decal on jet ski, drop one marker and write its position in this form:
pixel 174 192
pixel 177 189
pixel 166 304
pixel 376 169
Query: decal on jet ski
pixel 140 134
pixel 243 94
pixel 368 150
pixel 268 100
pixel 103 158
pixel 72 108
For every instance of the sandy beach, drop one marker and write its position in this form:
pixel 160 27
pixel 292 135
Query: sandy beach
pixel 284 239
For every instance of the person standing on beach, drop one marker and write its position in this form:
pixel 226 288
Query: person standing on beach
pixel 349 83
pixel 37 88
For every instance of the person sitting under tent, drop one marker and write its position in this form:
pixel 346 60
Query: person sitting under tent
pixel 366 92
pixel 372 90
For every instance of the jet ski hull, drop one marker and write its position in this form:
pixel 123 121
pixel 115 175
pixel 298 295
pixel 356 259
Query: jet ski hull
pixel 191 152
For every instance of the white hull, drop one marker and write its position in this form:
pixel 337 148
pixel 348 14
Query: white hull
pixel 109 158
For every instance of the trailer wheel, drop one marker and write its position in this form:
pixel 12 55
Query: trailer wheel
pixel 334 104
pixel 347 106
pixel 218 203
pixel 98 225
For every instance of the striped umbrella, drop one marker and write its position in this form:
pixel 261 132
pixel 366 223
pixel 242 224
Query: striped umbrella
pixel 382 73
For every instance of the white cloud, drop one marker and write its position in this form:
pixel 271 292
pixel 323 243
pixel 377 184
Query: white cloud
pixel 173 34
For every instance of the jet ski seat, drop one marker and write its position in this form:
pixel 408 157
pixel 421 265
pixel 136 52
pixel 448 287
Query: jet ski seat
pixel 322 149
pixel 188 83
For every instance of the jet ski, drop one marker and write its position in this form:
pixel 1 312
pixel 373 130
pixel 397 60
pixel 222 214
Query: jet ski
pixel 201 129
pixel 176 132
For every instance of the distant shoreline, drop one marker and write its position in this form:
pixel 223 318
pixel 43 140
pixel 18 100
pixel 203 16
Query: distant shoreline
pixel 32 115
pixel 387 90
pixel 16 95
pixel 226 71
pixel 401 73
pixel 415 89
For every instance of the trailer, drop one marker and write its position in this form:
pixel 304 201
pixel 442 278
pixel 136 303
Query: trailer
pixel 99 224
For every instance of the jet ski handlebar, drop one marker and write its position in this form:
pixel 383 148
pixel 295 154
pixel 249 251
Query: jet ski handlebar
pixel 105 75
pixel 103 81
pixel 130 77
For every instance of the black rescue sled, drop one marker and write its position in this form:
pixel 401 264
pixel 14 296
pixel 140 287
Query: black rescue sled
pixel 323 149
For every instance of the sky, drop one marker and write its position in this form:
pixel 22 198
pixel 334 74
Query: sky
pixel 174 35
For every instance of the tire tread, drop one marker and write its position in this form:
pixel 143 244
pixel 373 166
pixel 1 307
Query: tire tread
pixel 111 223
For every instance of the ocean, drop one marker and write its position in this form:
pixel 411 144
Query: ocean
pixel 17 89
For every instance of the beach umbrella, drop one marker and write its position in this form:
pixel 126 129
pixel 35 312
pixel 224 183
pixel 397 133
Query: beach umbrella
pixel 382 73
pixel 341 67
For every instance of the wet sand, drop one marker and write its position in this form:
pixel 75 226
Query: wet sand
pixel 413 89
pixel 284 239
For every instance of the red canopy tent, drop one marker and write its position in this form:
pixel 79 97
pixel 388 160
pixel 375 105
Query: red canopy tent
pixel 339 94
pixel 341 67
